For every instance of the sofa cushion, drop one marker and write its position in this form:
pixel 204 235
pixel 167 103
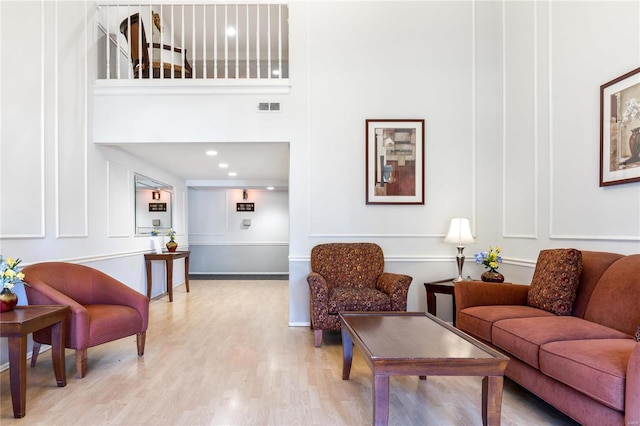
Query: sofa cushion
pixel 357 299
pixel 477 320
pixel 522 337
pixel 555 280
pixel 596 368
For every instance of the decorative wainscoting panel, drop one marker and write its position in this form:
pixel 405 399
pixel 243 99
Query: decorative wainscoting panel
pixel 120 209
pixel 22 132
pixel 520 119
pixel 71 136
pixel 579 208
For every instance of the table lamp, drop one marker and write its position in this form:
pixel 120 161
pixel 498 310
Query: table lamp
pixel 459 234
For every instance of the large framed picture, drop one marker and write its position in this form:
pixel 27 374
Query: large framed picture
pixel 620 130
pixel 395 161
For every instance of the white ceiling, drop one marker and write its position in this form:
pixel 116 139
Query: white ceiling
pixel 257 164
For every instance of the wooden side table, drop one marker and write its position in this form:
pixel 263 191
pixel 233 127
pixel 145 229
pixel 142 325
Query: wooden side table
pixel 16 325
pixel 441 287
pixel 168 258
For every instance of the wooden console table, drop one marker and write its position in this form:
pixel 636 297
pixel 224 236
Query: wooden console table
pixel 16 325
pixel 168 258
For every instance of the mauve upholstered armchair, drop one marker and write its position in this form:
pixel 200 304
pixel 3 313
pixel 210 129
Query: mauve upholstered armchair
pixel 350 277
pixel 102 308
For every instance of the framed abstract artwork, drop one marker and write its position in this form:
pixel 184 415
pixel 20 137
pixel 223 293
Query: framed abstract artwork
pixel 395 161
pixel 620 130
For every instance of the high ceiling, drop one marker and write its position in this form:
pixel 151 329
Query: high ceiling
pixel 257 164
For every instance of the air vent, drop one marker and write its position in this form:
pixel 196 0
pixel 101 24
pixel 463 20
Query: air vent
pixel 268 106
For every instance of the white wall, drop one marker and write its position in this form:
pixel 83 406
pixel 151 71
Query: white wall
pixel 510 101
pixel 63 198
pixel 221 244
pixel 510 95
pixel 508 91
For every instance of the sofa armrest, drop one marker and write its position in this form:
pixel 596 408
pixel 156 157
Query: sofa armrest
pixel 396 286
pixel 39 293
pixel 632 391
pixel 478 293
pixel 318 297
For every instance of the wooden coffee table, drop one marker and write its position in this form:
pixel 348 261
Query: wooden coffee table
pixel 407 344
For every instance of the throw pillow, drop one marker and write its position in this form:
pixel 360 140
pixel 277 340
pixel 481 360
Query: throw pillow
pixel 637 335
pixel 555 280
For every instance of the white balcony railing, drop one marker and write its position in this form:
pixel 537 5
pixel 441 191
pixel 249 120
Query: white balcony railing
pixel 196 41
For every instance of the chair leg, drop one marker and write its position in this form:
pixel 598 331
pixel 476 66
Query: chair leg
pixel 318 337
pixel 81 363
pixel 140 340
pixel 35 353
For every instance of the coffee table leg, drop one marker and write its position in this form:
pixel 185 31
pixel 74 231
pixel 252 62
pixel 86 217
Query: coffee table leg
pixel 18 374
pixel 380 400
pixel 347 354
pixel 491 399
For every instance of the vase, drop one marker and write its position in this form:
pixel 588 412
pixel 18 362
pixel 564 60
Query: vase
pixel 634 146
pixel 172 246
pixel 8 300
pixel 492 277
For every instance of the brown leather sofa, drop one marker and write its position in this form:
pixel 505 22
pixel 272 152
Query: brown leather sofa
pixel 102 308
pixel 586 364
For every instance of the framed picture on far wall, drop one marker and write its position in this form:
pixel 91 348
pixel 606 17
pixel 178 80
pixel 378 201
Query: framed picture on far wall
pixel 395 161
pixel 620 130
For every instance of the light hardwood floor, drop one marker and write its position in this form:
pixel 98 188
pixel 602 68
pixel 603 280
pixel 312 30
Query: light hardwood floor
pixel 224 354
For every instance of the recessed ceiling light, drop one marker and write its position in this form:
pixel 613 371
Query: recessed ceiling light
pixel 212 152
pixel 223 165
pixel 270 188
pixel 231 31
pixel 232 174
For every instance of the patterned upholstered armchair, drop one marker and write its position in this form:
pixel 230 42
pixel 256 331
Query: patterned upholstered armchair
pixel 350 277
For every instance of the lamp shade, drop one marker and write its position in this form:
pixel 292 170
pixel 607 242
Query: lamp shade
pixel 459 231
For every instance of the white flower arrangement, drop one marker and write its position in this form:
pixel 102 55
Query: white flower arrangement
pixel 631 111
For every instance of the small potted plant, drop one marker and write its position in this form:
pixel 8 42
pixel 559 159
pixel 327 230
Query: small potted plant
pixel 10 275
pixel 490 259
pixel 172 245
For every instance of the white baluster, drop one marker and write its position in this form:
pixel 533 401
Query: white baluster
pixel 107 47
pixel 183 53
pixel 215 41
pixel 279 41
pixel 226 43
pixel 237 47
pixel 246 37
pixel 204 40
pixel 258 40
pixel 269 41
